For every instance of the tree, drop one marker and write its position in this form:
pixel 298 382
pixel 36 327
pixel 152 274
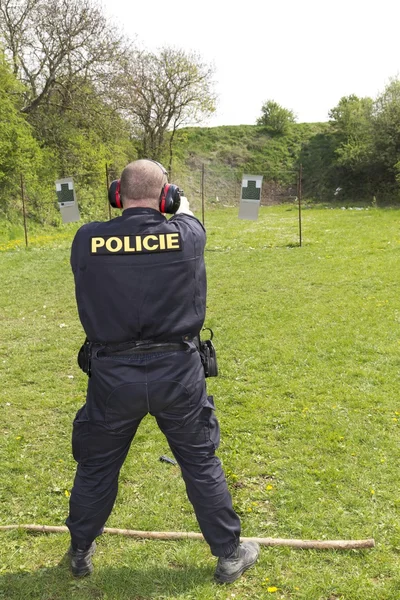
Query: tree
pixel 83 133
pixel 162 92
pixel 352 123
pixel 367 134
pixel 65 54
pixel 276 118
pixel 387 129
pixel 19 151
pixel 50 43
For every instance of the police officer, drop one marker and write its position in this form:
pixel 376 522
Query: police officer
pixel 140 287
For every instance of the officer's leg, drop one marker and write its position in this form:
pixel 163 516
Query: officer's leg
pixel 100 452
pixel 102 433
pixel 193 444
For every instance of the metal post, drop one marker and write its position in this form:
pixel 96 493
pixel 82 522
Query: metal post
pixel 108 185
pixel 24 211
pixel 300 194
pixel 202 193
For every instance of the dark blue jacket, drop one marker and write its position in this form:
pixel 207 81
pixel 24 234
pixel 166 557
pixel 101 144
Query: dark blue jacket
pixel 140 276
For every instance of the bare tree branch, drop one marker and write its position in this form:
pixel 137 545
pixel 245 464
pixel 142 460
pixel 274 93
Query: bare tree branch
pixel 49 41
pixel 164 91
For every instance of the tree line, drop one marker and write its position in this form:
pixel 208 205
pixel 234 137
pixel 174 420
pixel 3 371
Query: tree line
pixel 76 94
pixel 357 155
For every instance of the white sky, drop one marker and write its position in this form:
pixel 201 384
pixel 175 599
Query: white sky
pixel 304 54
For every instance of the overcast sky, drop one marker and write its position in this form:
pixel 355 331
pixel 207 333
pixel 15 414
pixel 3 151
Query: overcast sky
pixel 305 54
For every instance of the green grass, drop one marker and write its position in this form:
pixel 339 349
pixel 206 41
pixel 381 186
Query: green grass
pixel 309 355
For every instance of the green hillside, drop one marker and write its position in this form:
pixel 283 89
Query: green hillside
pixel 229 151
pixel 246 146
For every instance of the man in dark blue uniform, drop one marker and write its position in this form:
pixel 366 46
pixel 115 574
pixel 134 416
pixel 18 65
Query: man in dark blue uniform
pixel 141 294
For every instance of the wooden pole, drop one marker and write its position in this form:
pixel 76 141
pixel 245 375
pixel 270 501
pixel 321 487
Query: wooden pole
pixel 202 193
pixel 24 210
pixel 300 194
pixel 108 185
pixel 181 535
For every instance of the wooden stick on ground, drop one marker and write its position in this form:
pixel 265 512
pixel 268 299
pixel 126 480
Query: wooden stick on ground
pixel 177 535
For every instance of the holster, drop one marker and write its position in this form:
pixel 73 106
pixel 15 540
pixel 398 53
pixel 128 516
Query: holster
pixel 208 356
pixel 84 357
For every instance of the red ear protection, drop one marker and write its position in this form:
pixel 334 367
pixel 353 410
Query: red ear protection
pixel 114 197
pixel 170 197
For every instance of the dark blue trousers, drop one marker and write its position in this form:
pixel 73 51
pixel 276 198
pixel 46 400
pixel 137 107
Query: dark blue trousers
pixel 121 391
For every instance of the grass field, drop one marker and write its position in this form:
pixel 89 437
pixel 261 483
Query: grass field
pixel 308 344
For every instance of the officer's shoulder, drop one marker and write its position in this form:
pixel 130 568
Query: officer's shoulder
pixel 190 221
pixel 88 228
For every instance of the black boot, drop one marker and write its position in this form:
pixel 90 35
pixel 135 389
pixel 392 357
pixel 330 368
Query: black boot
pixel 231 568
pixel 81 560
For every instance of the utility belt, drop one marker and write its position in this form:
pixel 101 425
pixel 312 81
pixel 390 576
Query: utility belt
pixel 133 348
pixel 143 348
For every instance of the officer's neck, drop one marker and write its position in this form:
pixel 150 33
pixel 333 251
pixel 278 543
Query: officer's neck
pixel 141 204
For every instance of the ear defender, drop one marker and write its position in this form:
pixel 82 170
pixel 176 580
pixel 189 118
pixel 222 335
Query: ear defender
pixel 114 197
pixel 170 197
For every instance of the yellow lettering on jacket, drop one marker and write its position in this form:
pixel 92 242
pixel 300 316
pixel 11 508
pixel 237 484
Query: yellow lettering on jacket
pixel 127 244
pixel 172 241
pixel 97 242
pixel 114 244
pixel 146 244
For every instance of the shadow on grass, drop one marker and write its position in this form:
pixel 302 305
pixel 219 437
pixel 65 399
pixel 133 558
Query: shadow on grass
pixel 116 583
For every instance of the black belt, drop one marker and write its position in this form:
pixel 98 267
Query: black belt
pixel 143 348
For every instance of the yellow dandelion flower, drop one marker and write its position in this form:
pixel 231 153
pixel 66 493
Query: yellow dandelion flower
pixel 272 589
pixel 269 487
pixel 67 493
pixel 372 492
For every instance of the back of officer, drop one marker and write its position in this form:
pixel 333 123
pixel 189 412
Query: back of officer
pixel 141 293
